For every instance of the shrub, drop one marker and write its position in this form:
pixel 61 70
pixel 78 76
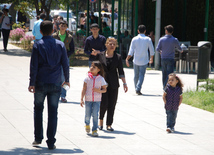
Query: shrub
pixel 209 86
pixel 18 25
pixel 17 34
pixel 26 40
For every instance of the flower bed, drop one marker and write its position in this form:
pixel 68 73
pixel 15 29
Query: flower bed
pixel 17 34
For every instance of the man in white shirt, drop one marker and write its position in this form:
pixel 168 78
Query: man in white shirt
pixel 139 47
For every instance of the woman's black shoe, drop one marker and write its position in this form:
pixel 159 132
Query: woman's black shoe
pixel 100 127
pixel 109 128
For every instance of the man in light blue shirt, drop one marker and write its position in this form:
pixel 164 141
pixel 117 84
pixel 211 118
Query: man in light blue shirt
pixel 166 46
pixel 139 48
pixel 36 27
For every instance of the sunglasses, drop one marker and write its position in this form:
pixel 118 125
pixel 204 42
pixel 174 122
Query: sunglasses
pixel 111 37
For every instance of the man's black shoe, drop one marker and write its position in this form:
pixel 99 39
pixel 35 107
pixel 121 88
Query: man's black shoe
pixel 35 143
pixel 138 93
pixel 52 148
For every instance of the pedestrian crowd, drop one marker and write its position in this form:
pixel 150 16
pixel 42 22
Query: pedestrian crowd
pixel 49 72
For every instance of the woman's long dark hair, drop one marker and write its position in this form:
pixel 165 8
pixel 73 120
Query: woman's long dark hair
pixel 100 66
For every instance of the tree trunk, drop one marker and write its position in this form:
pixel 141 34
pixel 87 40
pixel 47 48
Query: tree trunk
pixel 12 12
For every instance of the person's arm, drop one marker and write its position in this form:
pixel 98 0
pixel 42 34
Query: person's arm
pixel 164 97
pixel 152 51
pixel 11 22
pixel 159 48
pixel 1 18
pixel 130 54
pixel 95 52
pixel 86 48
pixel 122 74
pixel 177 45
pixel 83 94
pixel 151 59
pixel 34 63
pixel 71 48
pixel 102 90
pixel 127 60
pixel 125 87
pixel 181 98
pixel 65 65
pixel 34 27
pixel 120 67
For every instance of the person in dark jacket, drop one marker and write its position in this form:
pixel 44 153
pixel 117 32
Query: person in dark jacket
pixel 48 59
pixel 113 67
pixel 95 43
pixel 65 37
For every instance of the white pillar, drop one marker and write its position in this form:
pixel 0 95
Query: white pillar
pixel 157 32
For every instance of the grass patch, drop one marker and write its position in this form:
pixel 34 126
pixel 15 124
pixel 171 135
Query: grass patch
pixel 200 99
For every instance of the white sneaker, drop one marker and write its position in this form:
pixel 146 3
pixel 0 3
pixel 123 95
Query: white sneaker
pixel 168 130
pixel 94 133
pixel 173 129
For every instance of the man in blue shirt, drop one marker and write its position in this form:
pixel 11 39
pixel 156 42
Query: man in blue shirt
pixel 36 27
pixel 166 46
pixel 139 49
pixel 95 43
pixel 48 58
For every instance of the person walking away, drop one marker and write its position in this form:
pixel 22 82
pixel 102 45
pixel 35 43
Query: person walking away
pixel 93 87
pixel 172 98
pixel 95 43
pixel 139 49
pixel 166 46
pixel 47 60
pixel 65 37
pixel 36 27
pixel 6 25
pixel 113 67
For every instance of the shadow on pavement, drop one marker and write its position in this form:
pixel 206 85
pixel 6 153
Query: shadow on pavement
pixel 182 133
pixel 70 103
pixel 103 137
pixel 23 151
pixel 119 132
pixel 16 52
pixel 152 95
pixel 154 73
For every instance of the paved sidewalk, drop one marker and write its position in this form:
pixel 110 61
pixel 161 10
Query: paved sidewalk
pixel 140 121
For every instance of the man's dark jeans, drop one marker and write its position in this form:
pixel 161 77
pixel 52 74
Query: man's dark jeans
pixel 167 66
pixel 52 91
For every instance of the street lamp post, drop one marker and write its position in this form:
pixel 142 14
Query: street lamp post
pixel 87 26
pixel 136 16
pixel 206 21
pixel 112 18
pixel 157 32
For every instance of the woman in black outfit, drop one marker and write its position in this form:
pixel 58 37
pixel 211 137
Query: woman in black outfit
pixel 113 67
